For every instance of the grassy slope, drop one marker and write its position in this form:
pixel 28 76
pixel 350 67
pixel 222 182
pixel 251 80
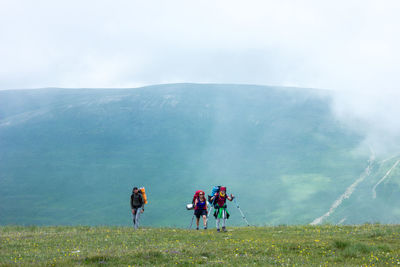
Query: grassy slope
pixel 362 204
pixel 72 156
pixel 282 245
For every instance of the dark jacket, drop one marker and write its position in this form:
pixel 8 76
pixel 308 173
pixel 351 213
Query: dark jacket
pixel 136 201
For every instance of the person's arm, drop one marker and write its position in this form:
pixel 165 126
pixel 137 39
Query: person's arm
pixel 195 202
pixel 230 198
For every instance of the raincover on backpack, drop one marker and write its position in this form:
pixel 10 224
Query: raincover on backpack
pixel 213 192
pixel 196 195
pixel 143 192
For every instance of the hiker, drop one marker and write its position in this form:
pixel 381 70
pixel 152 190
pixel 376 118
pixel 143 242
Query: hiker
pixel 137 205
pixel 200 209
pixel 221 211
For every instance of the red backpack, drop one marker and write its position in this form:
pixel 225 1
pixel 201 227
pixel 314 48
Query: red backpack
pixel 196 195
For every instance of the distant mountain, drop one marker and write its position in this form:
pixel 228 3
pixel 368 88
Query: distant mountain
pixel 70 156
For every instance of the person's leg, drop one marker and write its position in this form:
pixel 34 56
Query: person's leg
pixel 138 212
pixel 205 221
pixel 224 220
pixel 134 217
pixel 218 223
pixel 196 213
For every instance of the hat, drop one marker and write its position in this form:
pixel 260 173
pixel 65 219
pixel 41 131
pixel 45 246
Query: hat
pixel 223 188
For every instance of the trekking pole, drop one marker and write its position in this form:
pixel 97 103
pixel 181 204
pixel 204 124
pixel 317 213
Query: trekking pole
pixel 191 223
pixel 244 218
pixel 209 212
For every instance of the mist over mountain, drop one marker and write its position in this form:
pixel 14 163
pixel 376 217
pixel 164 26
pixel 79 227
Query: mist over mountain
pixel 72 156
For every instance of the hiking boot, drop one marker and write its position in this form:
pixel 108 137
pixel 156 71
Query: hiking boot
pixel 224 229
pixel 205 227
pixel 197 228
pixel 218 230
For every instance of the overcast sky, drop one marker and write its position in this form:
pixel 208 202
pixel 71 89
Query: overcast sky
pixel 323 44
pixel 349 46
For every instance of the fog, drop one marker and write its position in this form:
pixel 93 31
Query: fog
pixel 350 47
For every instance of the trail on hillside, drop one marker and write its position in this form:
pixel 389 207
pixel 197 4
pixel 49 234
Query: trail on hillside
pixel 349 191
pixel 383 178
pixel 390 158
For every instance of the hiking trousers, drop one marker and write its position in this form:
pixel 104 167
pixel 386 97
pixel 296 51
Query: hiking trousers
pixel 136 217
pixel 224 216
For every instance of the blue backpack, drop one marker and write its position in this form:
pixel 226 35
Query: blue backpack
pixel 213 192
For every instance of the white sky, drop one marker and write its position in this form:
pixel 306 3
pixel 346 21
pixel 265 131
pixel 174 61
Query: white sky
pixel 324 44
pixel 351 46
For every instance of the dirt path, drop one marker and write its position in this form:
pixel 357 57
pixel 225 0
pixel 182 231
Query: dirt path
pixel 383 178
pixel 349 191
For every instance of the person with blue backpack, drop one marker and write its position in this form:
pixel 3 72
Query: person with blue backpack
pixel 221 211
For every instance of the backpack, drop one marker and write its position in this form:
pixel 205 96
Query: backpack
pixel 195 196
pixel 213 191
pixel 142 191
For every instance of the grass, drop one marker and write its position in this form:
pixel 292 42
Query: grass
pixel 364 245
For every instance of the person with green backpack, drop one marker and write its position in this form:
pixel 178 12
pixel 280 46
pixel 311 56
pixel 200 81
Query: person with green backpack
pixel 221 211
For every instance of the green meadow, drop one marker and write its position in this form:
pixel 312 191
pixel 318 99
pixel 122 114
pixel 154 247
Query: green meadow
pixel 327 245
pixel 72 157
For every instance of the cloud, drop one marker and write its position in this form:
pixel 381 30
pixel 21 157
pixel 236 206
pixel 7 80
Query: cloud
pixel 373 113
pixel 350 47
pixel 102 43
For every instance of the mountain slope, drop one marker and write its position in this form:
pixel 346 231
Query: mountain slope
pixel 72 156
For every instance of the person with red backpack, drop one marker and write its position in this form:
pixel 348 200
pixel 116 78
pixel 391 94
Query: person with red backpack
pixel 221 211
pixel 200 208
